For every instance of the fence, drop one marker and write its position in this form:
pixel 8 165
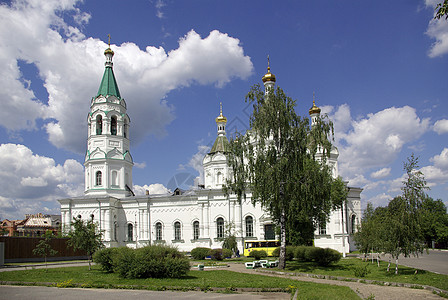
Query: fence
pixel 20 249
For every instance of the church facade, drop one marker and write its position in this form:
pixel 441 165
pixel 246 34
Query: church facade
pixel 185 219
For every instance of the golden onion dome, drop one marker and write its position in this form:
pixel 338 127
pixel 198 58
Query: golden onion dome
pixel 314 109
pixel 268 76
pixel 108 51
pixel 221 118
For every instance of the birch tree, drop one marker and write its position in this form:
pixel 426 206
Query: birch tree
pixel 278 162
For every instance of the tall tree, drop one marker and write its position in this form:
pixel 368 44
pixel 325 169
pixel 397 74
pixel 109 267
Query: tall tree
pixel 404 231
pixel 85 235
pixel 279 154
pixel 434 221
pixel 44 248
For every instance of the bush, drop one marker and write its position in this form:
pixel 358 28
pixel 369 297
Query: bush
pixel 299 253
pixel 328 256
pixel 289 252
pixel 216 254
pixel 257 254
pixel 361 271
pixel 200 253
pixel 106 258
pixel 151 262
pixel 311 253
pixel 227 253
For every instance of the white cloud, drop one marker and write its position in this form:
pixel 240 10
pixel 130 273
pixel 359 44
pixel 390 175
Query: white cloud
pixel 441 161
pixel 29 182
pixel 374 140
pixel 441 126
pixel 438 30
pixel 154 189
pixel 141 165
pixel 71 67
pixel 195 162
pixel 380 199
pixel 382 173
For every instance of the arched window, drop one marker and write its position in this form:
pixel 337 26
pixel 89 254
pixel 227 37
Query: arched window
pixel 130 232
pixel 125 131
pixel 220 228
pixel 249 226
pixel 114 178
pixel 353 223
pixel 98 178
pixel 219 178
pixel 158 231
pixel 177 233
pixel 113 125
pixel 99 125
pixel 195 230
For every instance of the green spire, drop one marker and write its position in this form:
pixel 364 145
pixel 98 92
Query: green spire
pixel 108 86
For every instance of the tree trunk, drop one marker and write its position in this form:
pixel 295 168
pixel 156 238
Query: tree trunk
pixel 282 259
pixel 89 258
pixel 396 266
pixel 378 259
pixel 343 231
pixel 388 266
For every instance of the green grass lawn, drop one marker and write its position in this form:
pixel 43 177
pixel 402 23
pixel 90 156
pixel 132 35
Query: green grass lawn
pixel 194 279
pixel 345 268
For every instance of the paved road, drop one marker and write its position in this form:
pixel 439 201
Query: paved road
pixel 45 293
pixel 435 261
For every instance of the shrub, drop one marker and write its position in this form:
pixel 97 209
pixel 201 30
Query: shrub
pixel 216 254
pixel 323 257
pixel 257 254
pixel 200 253
pixel 299 253
pixel 361 271
pixel 151 261
pixel 106 258
pixel 289 252
pixel 227 253
pixel 311 253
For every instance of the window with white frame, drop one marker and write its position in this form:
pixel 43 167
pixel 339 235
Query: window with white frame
pixel 177 231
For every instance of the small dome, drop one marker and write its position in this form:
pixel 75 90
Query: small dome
pixel 314 109
pixel 108 51
pixel 221 118
pixel 268 76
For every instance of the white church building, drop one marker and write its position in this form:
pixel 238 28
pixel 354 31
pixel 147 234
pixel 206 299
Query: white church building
pixel 185 219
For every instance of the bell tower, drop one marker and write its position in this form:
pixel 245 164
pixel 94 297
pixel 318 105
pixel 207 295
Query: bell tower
pixel 108 162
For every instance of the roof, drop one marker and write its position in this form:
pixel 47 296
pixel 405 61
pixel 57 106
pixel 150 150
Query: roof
pixel 108 86
pixel 221 145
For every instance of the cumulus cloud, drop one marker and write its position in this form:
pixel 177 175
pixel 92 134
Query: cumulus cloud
pixel 71 66
pixel 382 173
pixel 374 140
pixel 438 30
pixel 195 162
pixel 441 126
pixel 153 189
pixel 30 183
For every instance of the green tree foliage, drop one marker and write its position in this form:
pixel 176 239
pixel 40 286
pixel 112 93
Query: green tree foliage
pixel 200 252
pixel 277 159
pixel 434 221
pixel 398 228
pixel 85 235
pixel 442 10
pixel 44 248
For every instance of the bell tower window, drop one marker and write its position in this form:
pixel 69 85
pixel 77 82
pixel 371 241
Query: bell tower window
pixel 98 178
pixel 113 125
pixel 99 125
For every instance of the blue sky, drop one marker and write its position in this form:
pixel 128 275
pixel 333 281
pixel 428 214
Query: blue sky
pixel 379 71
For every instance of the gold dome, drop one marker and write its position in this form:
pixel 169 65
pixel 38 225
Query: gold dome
pixel 108 51
pixel 314 109
pixel 268 76
pixel 221 118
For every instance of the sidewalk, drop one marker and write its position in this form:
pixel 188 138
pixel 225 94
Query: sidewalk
pixel 362 289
